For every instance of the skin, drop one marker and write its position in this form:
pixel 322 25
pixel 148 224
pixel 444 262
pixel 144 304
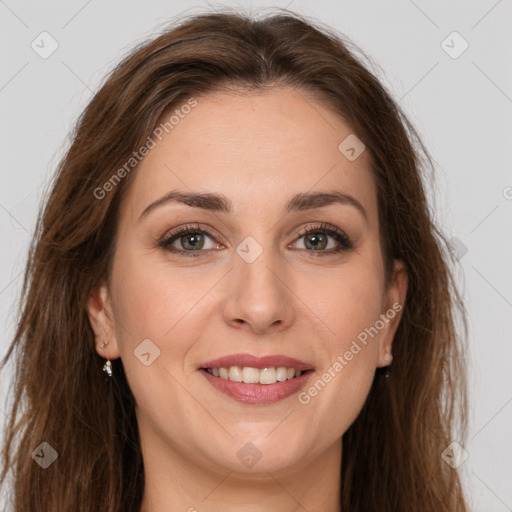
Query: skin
pixel 257 149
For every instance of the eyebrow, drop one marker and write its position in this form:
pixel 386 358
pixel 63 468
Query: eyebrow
pixel 220 203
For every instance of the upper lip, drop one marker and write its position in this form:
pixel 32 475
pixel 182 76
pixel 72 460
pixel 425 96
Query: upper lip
pixel 252 361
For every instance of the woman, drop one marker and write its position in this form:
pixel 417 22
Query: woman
pixel 239 238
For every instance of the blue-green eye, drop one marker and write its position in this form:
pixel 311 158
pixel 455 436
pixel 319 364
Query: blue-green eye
pixel 316 240
pixel 189 240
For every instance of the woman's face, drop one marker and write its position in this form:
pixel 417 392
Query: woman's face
pixel 282 261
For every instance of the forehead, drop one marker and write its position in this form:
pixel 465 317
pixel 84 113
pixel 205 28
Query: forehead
pixel 257 148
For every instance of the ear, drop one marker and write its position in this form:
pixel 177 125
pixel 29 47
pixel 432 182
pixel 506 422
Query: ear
pixel 101 318
pixel 393 305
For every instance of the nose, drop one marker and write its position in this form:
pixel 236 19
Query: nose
pixel 258 297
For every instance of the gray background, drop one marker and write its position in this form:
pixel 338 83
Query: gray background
pixel 461 106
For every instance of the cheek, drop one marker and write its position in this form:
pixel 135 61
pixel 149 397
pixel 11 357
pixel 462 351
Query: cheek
pixel 159 312
pixel 152 299
pixel 347 300
pixel 171 308
pixel 348 303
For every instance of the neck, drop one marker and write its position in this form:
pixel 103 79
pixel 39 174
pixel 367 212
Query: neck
pixel 190 486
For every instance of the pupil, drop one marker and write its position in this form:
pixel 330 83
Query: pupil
pixel 192 241
pixel 316 240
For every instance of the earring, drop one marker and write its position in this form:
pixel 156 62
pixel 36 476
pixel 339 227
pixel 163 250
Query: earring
pixel 107 367
pixel 388 357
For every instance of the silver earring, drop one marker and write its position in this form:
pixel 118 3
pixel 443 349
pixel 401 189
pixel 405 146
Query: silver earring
pixel 107 367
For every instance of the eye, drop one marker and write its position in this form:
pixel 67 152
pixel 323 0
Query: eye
pixel 324 239
pixel 190 241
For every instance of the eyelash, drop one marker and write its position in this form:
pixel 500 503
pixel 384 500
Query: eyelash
pixel 343 240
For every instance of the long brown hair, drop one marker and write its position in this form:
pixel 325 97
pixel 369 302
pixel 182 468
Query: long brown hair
pixel 392 452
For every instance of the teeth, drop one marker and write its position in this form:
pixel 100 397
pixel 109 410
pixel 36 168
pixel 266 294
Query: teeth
pixel 235 373
pixel 281 373
pixel 249 375
pixel 268 376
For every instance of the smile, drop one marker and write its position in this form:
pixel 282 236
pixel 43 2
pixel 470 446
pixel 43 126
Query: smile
pixel 256 380
pixel 250 375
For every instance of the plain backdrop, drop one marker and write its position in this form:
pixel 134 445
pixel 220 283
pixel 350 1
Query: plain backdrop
pixel 460 101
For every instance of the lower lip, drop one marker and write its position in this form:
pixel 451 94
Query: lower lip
pixel 257 393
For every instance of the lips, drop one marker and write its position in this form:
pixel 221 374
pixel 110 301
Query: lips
pixel 256 393
pixel 257 362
